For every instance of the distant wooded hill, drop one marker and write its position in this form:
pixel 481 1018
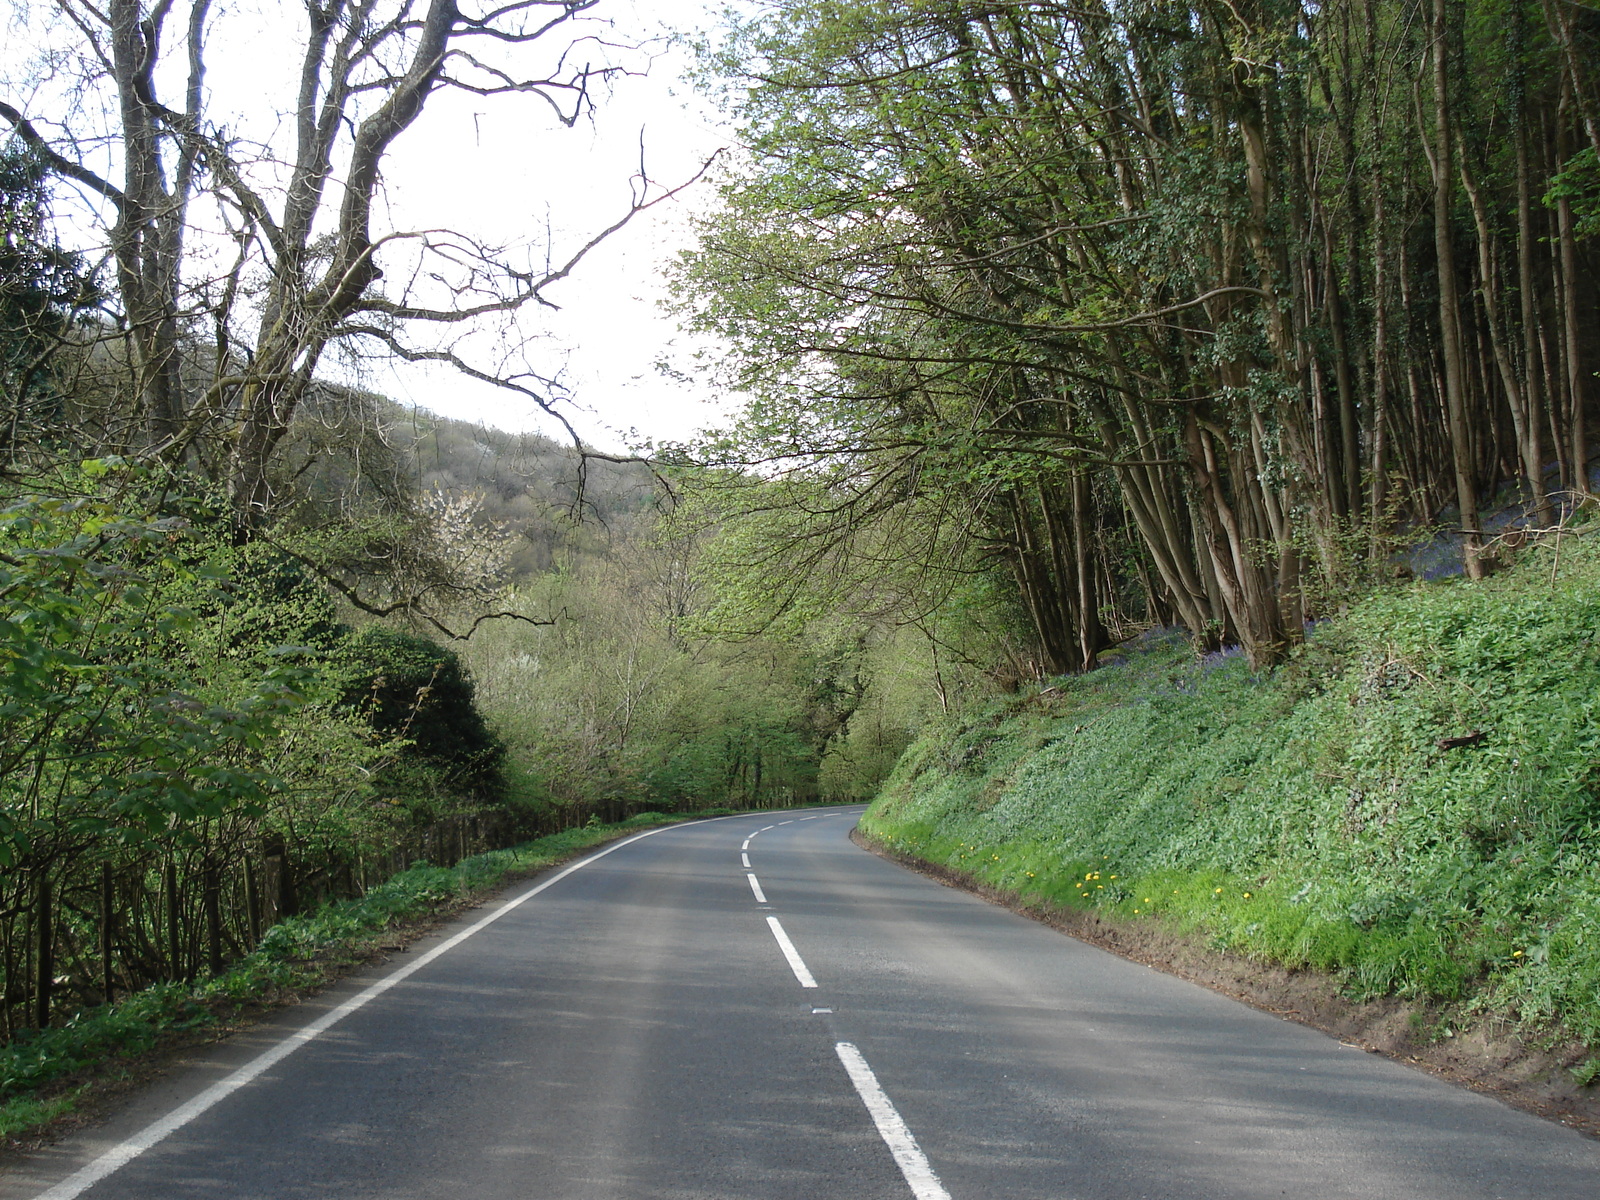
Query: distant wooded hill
pixel 358 450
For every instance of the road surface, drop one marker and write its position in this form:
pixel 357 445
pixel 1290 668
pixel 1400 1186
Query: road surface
pixel 752 1007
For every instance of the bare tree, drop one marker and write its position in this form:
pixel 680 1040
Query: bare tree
pixel 219 359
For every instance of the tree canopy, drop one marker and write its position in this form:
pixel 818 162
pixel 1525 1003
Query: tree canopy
pixel 1169 311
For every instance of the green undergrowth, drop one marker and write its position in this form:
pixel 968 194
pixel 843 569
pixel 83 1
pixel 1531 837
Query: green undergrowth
pixel 296 954
pixel 1317 815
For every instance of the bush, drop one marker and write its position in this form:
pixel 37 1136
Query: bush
pixel 413 688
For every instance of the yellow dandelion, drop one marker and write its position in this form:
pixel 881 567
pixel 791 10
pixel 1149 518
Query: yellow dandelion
pixel 1218 892
pixel 1516 954
pixel 1247 895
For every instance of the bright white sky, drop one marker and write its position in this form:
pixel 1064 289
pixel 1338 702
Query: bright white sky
pixel 503 170
pixel 479 166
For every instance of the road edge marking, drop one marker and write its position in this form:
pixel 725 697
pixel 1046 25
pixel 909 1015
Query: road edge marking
pixel 913 1163
pixel 123 1153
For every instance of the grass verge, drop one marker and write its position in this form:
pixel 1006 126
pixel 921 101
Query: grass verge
pixel 45 1075
pixel 1410 804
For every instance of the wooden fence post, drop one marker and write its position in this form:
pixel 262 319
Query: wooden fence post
pixel 211 884
pixel 174 946
pixel 108 915
pixel 252 900
pixel 44 962
pixel 287 901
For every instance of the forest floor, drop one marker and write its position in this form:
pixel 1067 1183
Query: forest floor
pixel 1473 1051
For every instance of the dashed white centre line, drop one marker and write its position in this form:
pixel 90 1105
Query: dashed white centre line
pixel 796 963
pixel 908 1155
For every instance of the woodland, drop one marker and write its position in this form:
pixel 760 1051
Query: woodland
pixel 1055 324
pixel 1168 314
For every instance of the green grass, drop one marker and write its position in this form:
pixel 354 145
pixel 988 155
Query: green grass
pixel 1308 816
pixel 299 953
pixel 25 1113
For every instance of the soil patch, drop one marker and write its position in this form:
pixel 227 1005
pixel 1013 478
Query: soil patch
pixel 1485 1054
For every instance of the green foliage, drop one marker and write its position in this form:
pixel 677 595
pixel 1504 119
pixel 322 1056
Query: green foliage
pixel 611 710
pixel 628 701
pixel 43 288
pixel 1578 183
pixel 25 1113
pixel 412 688
pixel 1319 815
pixel 174 713
pixel 106 725
pixel 948 269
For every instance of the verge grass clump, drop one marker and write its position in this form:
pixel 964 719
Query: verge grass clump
pixel 40 1071
pixel 1411 802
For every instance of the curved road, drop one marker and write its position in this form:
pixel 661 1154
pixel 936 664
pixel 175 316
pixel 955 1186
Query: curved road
pixel 752 1007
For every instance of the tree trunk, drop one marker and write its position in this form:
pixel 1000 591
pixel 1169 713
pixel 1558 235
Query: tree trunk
pixel 1527 304
pixel 1455 368
pixel 1489 291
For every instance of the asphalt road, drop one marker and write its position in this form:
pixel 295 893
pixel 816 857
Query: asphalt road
pixel 640 1028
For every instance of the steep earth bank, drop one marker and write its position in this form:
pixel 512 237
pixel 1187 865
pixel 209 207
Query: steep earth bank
pixel 1395 836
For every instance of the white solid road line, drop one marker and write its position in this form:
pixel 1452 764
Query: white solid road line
pixel 796 963
pixel 120 1155
pixel 913 1163
pixel 761 897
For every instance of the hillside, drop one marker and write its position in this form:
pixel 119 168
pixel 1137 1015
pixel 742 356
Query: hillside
pixel 1411 803
pixel 356 452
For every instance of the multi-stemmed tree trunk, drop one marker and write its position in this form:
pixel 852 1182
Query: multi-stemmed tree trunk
pixel 1450 347
pixel 1298 290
